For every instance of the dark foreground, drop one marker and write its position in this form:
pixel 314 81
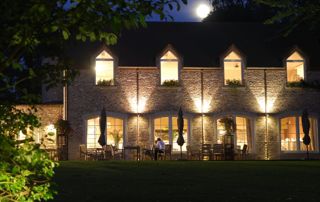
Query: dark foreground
pixel 188 181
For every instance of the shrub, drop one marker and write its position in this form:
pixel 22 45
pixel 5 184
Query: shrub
pixel 170 83
pixel 105 82
pixel 25 170
pixel 233 83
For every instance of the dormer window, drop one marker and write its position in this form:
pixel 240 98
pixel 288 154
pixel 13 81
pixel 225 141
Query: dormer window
pixel 104 69
pixel 233 67
pixel 295 67
pixel 169 68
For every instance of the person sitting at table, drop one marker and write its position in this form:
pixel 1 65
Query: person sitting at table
pixel 159 148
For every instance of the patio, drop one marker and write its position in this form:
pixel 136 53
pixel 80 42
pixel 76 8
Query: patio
pixel 188 181
pixel 205 152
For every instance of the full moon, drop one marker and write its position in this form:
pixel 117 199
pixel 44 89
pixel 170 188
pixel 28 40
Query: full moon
pixel 203 10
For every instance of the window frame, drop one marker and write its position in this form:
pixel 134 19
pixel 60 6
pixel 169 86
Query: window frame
pixel 123 117
pixel 304 60
pixel 235 50
pixel 169 48
pixel 113 58
pixel 170 127
pixel 297 122
pixel 251 131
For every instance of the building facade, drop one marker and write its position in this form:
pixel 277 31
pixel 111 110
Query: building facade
pixel 210 72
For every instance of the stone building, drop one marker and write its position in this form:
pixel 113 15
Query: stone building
pixel 245 72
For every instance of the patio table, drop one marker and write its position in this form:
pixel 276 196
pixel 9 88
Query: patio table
pixel 136 148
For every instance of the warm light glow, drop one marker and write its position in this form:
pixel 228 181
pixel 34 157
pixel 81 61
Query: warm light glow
pixel 198 104
pixel 270 104
pixel 51 129
pixel 203 10
pixel 232 67
pixel 295 67
pixel 169 67
pixel 104 67
pixel 134 106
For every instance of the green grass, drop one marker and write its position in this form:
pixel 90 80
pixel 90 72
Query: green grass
pixel 188 181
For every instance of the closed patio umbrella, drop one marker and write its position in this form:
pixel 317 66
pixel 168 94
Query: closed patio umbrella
pixel 306 128
pixel 180 140
pixel 102 121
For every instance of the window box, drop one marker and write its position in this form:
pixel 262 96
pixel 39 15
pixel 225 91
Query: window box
pixel 170 83
pixel 105 82
pixel 234 83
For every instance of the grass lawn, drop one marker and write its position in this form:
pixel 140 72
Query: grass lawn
pixel 188 181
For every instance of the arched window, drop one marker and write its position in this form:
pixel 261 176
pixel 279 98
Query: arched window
pixel 104 69
pixel 292 134
pixel 233 67
pixel 242 134
pixel 166 128
pixel 169 67
pixel 114 132
pixel 295 67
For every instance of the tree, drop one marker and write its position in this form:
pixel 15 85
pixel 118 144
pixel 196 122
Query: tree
pixel 238 11
pixel 33 39
pixel 295 13
pixel 36 29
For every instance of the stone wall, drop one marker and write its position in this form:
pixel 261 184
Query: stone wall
pixel 86 99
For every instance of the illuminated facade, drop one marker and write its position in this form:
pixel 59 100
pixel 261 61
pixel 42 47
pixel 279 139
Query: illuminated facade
pixel 238 82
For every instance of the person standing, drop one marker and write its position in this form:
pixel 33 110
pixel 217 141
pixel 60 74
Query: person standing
pixel 159 148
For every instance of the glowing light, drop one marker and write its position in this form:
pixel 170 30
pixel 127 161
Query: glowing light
pixel 134 106
pixel 51 129
pixel 202 109
pixel 203 11
pixel 270 104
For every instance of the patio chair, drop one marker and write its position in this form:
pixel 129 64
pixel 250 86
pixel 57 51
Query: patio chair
pixel 218 152
pixel 193 154
pixel 206 152
pixel 244 152
pixel 85 154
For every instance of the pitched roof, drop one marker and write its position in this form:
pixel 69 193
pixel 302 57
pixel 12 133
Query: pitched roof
pixel 203 44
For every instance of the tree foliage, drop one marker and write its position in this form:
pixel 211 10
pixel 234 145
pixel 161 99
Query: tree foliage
pixel 33 40
pixel 25 169
pixel 36 29
pixel 295 13
pixel 238 11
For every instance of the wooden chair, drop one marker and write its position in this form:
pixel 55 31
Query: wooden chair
pixel 206 152
pixel 193 154
pixel 218 152
pixel 244 152
pixel 85 154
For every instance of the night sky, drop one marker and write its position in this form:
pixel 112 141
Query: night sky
pixel 187 12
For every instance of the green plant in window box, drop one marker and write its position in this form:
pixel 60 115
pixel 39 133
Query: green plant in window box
pixel 105 82
pixel 233 83
pixel 300 84
pixel 303 84
pixel 171 83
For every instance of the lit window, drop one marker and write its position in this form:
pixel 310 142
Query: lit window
pixel 45 136
pixel 104 69
pixel 242 134
pixel 292 134
pixel 114 131
pixel 166 128
pixel 232 69
pixel 169 67
pixel 295 68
